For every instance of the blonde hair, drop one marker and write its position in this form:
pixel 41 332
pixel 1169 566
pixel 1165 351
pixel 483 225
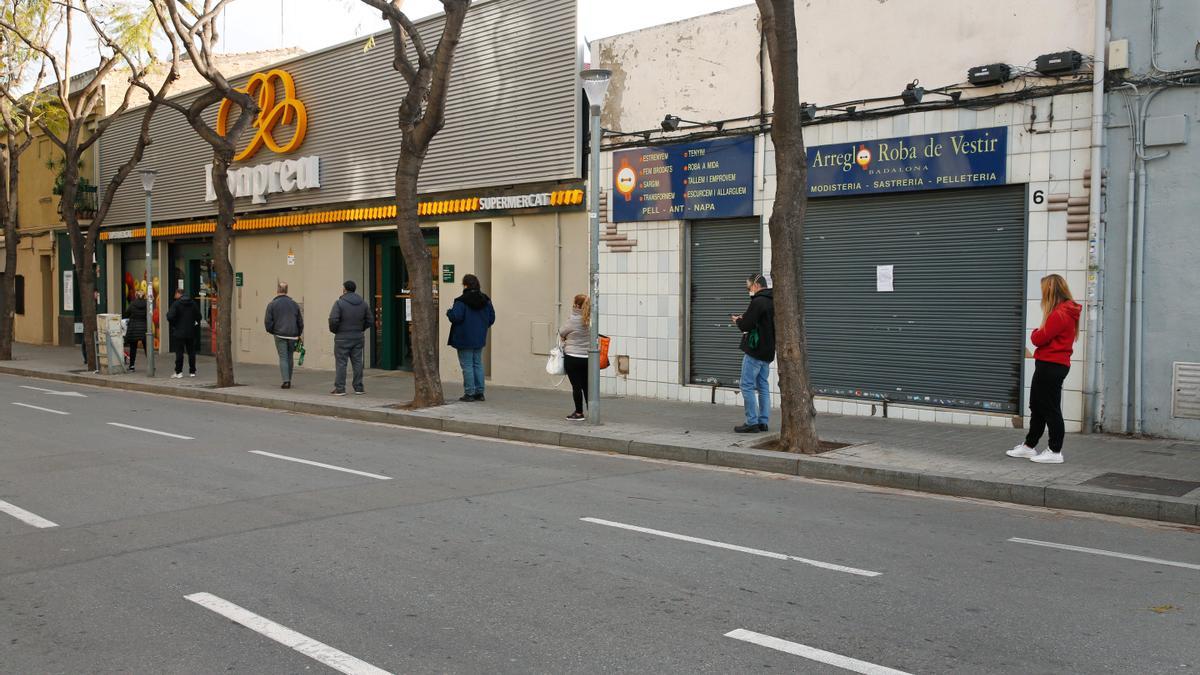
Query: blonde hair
pixel 1054 293
pixel 584 304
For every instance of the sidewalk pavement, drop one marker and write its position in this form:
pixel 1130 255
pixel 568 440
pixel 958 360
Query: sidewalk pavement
pixel 1103 473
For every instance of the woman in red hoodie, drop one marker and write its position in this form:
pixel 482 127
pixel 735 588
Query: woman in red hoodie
pixel 1055 341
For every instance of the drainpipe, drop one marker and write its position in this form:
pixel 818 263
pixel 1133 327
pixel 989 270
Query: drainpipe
pixel 558 247
pixel 1138 319
pixel 1094 390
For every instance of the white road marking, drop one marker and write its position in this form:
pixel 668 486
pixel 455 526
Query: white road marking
pixel 54 392
pixel 1100 551
pixel 323 466
pixel 812 653
pixel 734 547
pixel 25 516
pixel 151 431
pixel 38 407
pixel 317 651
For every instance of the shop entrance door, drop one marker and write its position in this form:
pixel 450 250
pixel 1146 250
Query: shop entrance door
pixel 192 271
pixel 391 300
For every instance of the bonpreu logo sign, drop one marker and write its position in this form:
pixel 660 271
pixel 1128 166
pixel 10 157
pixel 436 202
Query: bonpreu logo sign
pixel 954 159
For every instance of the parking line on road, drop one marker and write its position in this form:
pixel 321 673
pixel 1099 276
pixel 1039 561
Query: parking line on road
pixel 151 431
pixel 317 651
pixel 323 466
pixel 812 653
pixel 734 547
pixel 25 516
pixel 38 407
pixel 1100 551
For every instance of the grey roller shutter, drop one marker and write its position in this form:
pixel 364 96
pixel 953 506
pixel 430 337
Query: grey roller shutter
pixel 722 253
pixel 951 334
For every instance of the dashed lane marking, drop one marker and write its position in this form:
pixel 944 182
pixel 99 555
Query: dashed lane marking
pixel 734 547
pixel 323 466
pixel 812 653
pixel 25 516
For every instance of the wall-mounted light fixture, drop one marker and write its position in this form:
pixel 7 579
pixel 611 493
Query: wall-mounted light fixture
pixel 671 123
pixel 914 92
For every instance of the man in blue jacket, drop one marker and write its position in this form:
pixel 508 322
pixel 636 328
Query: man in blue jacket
pixel 470 318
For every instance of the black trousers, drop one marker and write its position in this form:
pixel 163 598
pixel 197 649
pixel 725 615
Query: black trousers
pixel 577 372
pixel 1045 404
pixel 132 344
pixel 190 345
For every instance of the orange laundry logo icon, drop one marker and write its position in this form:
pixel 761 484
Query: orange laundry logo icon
pixel 288 111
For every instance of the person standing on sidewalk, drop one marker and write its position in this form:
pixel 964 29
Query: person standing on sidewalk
pixel 1054 340
pixel 758 347
pixel 470 317
pixel 184 319
pixel 348 319
pixel 135 333
pixel 285 322
pixel 576 338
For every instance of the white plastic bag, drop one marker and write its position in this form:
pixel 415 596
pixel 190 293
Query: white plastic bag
pixel 554 363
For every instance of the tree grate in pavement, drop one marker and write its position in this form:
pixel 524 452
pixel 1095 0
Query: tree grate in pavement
pixel 1164 487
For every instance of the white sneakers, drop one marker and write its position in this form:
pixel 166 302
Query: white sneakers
pixel 1047 457
pixel 177 376
pixel 1043 457
pixel 1022 450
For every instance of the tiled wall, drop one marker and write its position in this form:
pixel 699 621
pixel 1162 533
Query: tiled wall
pixel 641 290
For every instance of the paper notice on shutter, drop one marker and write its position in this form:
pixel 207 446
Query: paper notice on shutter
pixel 883 278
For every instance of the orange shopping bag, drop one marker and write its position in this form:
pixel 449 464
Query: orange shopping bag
pixel 604 342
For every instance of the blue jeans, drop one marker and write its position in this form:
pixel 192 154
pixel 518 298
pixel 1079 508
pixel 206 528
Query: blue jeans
pixel 286 348
pixel 471 361
pixel 756 389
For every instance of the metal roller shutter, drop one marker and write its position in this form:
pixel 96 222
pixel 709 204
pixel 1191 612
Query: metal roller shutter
pixel 951 334
pixel 722 253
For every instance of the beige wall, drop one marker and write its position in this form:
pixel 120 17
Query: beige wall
pixel 315 282
pixel 522 286
pixel 707 68
pixel 39 324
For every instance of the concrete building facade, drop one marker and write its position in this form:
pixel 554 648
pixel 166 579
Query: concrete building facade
pixel 710 72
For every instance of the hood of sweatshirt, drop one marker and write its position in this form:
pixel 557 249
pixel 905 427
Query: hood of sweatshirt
pixel 352 298
pixel 1071 308
pixel 768 293
pixel 474 299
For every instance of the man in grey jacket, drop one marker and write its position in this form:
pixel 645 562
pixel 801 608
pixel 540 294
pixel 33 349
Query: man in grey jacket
pixel 348 319
pixel 285 322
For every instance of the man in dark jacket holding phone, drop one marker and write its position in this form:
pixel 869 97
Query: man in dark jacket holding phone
pixel 758 347
pixel 348 319
pixel 184 319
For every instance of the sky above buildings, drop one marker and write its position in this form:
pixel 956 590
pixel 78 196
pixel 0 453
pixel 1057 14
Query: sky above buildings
pixel 312 24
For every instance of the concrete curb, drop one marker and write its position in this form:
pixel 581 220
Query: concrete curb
pixel 1069 497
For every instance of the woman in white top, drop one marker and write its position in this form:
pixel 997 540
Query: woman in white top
pixel 576 336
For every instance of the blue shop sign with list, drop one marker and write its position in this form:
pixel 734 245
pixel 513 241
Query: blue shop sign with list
pixel 685 181
pixel 956 159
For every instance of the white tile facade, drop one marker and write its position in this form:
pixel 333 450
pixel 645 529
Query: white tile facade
pixel 641 290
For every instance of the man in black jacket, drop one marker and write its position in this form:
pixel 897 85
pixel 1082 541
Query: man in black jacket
pixel 348 319
pixel 184 318
pixel 135 332
pixel 758 346
pixel 285 322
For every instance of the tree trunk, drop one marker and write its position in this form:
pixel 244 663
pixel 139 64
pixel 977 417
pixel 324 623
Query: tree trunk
pixel 8 216
pixel 798 431
pixel 222 237
pixel 85 271
pixel 427 379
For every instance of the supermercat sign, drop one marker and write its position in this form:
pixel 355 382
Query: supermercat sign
pixel 973 158
pixel 278 105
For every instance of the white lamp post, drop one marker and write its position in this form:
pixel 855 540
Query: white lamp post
pixel 148 185
pixel 595 84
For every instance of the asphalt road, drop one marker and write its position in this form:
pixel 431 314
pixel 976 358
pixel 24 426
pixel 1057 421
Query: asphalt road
pixel 124 550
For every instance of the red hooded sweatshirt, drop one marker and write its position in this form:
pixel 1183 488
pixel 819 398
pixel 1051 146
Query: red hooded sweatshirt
pixel 1055 340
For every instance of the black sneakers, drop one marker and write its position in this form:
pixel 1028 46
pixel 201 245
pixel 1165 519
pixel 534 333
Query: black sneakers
pixel 747 429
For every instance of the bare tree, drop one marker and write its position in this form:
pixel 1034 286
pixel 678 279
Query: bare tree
pixel 123 45
pixel 192 28
pixel 422 115
pixel 798 431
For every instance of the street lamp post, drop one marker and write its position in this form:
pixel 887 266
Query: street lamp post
pixel 148 185
pixel 595 84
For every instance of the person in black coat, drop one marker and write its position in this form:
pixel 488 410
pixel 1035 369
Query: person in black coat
pixel 758 347
pixel 135 332
pixel 184 318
